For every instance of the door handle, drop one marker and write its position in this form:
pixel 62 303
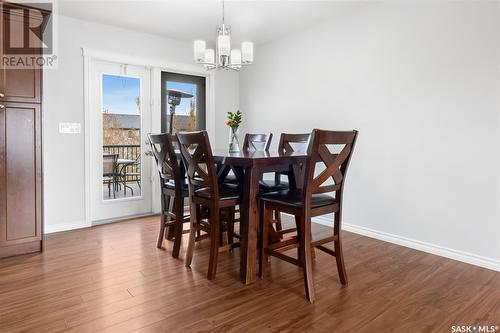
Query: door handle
pixel 2 95
pixel 2 106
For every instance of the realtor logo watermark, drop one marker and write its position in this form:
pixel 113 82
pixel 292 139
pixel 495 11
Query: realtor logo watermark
pixel 474 328
pixel 29 34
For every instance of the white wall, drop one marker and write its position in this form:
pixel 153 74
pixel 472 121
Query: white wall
pixel 63 102
pixel 420 81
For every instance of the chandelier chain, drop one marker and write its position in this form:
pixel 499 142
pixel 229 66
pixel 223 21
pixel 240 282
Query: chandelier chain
pixel 222 12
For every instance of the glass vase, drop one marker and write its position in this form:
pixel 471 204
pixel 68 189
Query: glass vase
pixel 234 139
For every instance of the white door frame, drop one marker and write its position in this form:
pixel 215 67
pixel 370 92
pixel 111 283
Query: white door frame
pixel 156 67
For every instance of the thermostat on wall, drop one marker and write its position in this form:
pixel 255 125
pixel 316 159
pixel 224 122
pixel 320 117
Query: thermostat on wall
pixel 70 128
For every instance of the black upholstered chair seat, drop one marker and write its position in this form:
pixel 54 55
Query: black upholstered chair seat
pixel 296 198
pixel 226 192
pixel 272 186
pixel 171 185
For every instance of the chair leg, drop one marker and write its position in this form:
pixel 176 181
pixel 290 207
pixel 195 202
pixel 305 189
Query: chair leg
pixel 169 235
pixel 192 234
pixel 298 226
pixel 299 232
pixel 164 203
pixel 264 224
pixel 339 256
pixel 277 217
pixel 179 221
pixel 230 225
pixel 162 231
pixel 214 242
pixel 306 257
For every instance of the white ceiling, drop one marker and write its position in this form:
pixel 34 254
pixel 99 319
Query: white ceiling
pixel 259 21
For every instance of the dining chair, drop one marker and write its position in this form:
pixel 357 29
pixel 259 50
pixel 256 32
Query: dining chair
pixel 252 142
pixel 259 142
pixel 174 189
pixel 310 201
pixel 206 191
pixel 109 172
pixel 289 143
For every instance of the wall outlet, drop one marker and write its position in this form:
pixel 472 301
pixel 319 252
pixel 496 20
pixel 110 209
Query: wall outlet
pixel 70 128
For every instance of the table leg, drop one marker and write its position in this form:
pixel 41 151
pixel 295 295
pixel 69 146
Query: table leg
pixel 249 220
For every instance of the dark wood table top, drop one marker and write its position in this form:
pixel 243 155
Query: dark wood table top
pixel 251 158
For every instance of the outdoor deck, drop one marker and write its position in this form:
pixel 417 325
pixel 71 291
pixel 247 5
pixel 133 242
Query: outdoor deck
pixel 124 152
pixel 120 194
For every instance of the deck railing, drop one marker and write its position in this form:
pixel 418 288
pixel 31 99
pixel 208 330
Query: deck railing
pixel 127 152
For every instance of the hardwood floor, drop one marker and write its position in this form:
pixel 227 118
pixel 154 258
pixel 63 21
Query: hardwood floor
pixel 112 278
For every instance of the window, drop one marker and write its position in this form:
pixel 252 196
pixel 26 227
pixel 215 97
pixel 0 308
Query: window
pixel 183 102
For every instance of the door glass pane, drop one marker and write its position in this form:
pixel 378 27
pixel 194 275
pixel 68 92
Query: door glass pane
pixel 183 103
pixel 121 123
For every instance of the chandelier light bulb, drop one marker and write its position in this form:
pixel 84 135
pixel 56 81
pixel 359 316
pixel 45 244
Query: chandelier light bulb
pixel 235 57
pixel 199 50
pixel 210 56
pixel 224 45
pixel 247 52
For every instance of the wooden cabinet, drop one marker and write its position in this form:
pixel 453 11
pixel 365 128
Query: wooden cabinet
pixel 21 225
pixel 21 85
pixel 20 175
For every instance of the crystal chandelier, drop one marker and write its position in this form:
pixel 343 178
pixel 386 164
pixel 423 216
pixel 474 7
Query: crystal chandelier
pixel 223 56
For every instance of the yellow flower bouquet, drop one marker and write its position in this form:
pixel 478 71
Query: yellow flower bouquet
pixel 233 119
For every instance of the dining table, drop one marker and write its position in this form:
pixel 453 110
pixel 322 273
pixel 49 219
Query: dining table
pixel 249 167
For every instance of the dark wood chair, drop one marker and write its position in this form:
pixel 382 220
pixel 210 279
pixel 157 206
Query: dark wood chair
pixel 174 189
pixel 259 142
pixel 256 142
pixel 288 143
pixel 308 202
pixel 206 191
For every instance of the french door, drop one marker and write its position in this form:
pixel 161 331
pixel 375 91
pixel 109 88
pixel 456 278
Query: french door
pixel 120 119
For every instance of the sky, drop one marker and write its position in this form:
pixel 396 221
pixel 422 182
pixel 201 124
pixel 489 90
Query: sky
pixel 120 94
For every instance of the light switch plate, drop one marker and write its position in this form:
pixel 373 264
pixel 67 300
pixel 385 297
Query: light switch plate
pixel 70 128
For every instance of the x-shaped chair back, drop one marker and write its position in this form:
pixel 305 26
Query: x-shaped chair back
pixel 198 159
pixel 258 142
pixel 290 143
pixel 335 163
pixel 163 149
pixel 293 143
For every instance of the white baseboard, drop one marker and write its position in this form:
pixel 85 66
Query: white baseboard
pixel 51 228
pixel 442 251
pixel 121 219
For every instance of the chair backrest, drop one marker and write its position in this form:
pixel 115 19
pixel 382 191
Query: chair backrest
pixel 290 143
pixel 109 164
pixel 199 161
pixel 259 142
pixel 163 148
pixel 335 162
